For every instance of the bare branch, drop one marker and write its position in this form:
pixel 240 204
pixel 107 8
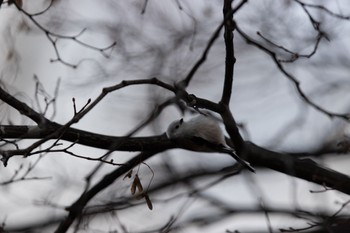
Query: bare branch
pixel 227 15
pixel 22 108
pixel 294 55
pixel 59 131
pixel 54 37
pixel 305 169
pixel 230 59
pixel 296 83
pixel 323 8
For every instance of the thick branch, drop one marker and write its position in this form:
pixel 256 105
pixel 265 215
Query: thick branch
pixel 302 168
pixel 230 59
pixel 87 138
pixel 305 169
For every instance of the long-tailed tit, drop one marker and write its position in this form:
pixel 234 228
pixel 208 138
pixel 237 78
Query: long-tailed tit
pixel 202 134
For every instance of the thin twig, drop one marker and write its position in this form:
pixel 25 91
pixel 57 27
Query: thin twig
pixel 296 83
pixel 54 37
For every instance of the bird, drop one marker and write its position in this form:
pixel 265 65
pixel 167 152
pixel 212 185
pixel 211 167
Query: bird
pixel 202 134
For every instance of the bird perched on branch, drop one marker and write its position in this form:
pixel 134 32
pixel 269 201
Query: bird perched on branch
pixel 202 134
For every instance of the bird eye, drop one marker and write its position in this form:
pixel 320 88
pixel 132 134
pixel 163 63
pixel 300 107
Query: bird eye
pixel 177 126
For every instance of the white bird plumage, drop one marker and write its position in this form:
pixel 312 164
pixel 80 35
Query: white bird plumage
pixel 202 133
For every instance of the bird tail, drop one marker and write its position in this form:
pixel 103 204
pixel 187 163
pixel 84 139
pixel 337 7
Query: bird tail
pixel 244 163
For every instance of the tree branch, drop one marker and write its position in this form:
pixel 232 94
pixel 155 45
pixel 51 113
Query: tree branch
pixel 54 37
pixel 76 209
pixel 296 83
pixel 305 169
pixel 53 130
pixel 228 13
pixel 22 108
pixel 230 58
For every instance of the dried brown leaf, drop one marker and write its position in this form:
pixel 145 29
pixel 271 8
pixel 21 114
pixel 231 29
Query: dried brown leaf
pixel 148 202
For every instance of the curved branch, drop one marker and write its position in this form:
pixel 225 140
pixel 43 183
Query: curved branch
pixel 323 8
pixel 22 108
pixel 296 82
pixel 52 130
